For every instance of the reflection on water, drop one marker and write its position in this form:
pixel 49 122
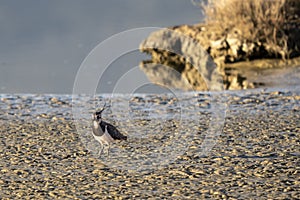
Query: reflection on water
pixel 165 76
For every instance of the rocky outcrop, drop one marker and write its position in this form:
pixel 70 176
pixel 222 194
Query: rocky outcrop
pixel 232 32
pixel 230 46
pixel 204 60
pixel 179 61
pixel 185 55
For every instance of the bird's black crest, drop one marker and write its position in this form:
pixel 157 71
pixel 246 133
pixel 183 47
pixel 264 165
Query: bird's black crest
pixel 100 112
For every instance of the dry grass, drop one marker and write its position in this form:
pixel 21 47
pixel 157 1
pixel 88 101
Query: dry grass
pixel 259 21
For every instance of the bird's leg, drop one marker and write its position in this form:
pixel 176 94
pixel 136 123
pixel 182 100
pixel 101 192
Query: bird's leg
pixel 101 149
pixel 108 150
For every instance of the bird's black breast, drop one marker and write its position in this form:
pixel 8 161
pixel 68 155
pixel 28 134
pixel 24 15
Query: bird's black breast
pixel 113 131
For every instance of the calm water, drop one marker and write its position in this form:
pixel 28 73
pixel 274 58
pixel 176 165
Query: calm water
pixel 44 43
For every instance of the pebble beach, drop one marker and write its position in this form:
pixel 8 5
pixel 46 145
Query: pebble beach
pixel 256 154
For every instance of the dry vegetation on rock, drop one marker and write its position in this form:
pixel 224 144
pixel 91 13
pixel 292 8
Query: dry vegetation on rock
pixel 273 23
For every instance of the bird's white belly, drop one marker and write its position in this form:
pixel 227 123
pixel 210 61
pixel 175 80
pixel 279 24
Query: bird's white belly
pixel 105 138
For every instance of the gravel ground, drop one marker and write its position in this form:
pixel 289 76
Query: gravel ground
pixel 256 156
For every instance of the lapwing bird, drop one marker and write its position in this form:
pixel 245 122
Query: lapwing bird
pixel 104 132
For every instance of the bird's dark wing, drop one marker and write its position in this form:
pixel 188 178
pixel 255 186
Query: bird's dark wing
pixel 113 131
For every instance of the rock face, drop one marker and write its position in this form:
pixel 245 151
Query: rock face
pixel 204 59
pixel 186 56
pixel 179 61
pixel 231 46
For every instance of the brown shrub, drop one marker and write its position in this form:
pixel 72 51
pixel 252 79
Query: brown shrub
pixel 260 21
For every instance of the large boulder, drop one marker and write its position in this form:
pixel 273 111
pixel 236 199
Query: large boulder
pixel 185 55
